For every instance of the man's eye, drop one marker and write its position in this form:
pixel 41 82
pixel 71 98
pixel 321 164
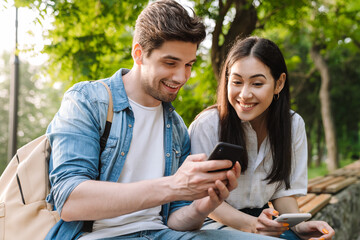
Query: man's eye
pixel 170 63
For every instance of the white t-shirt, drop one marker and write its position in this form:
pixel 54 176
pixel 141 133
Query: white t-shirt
pixel 144 161
pixel 252 191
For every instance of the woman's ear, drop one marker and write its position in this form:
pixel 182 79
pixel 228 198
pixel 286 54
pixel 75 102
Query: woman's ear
pixel 280 83
pixel 137 53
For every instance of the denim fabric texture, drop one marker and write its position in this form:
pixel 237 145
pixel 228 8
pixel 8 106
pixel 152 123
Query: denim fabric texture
pixel 210 224
pixel 74 135
pixel 168 234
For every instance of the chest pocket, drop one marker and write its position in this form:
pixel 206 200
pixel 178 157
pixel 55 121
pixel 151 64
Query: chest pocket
pixel 108 153
pixel 176 155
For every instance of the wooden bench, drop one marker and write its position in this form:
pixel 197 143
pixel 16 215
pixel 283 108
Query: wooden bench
pixel 321 189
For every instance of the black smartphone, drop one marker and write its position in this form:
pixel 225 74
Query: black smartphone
pixel 227 151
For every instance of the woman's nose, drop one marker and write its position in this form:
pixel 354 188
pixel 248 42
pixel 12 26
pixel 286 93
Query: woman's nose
pixel 245 92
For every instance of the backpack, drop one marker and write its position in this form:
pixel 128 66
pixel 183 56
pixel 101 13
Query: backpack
pixel 24 186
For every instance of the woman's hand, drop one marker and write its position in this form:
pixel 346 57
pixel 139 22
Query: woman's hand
pixel 266 226
pixel 314 230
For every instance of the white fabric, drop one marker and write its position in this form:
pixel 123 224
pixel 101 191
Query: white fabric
pixel 252 191
pixel 144 161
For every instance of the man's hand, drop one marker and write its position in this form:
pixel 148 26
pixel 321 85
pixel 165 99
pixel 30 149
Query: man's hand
pixel 194 181
pixel 208 189
pixel 218 194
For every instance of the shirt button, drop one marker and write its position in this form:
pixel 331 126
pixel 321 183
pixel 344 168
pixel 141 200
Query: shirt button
pixel 122 153
pixel 129 125
pixel 168 155
pixel 168 125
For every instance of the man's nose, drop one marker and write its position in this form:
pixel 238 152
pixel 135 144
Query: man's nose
pixel 180 75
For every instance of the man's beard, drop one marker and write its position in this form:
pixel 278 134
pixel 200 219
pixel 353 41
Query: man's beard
pixel 158 95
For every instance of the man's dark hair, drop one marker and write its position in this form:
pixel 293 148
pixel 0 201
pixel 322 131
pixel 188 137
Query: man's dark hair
pixel 167 20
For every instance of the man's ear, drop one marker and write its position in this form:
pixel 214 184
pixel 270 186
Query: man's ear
pixel 137 53
pixel 280 83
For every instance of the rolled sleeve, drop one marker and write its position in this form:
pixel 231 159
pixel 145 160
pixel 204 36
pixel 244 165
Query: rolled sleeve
pixel 74 137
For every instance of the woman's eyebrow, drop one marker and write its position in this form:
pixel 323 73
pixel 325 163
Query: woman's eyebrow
pixel 252 76
pixel 258 75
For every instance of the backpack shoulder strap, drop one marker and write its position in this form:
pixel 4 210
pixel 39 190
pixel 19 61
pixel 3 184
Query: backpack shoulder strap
pixel 88 225
pixel 109 119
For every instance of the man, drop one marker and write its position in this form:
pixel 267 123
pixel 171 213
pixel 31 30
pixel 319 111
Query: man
pixel 145 181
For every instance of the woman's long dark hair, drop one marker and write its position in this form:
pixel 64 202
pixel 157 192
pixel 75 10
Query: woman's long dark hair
pixel 278 116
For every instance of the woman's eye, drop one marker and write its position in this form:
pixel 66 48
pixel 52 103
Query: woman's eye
pixel 237 82
pixel 258 84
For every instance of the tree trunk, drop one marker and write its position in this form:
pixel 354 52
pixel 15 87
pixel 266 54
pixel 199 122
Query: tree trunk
pixel 243 24
pixel 310 148
pixel 329 128
pixel 319 144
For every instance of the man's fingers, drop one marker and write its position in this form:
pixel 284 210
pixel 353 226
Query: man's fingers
pixel 215 165
pixel 232 180
pixel 214 194
pixel 223 190
pixel 237 169
pixel 201 157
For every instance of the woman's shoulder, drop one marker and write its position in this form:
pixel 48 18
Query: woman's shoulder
pixel 297 121
pixel 207 115
pixel 207 119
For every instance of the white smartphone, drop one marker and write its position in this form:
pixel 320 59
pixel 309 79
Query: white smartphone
pixel 293 218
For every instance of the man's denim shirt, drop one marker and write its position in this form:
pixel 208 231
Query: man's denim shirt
pixel 75 131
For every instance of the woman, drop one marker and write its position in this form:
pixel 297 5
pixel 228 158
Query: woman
pixel 253 110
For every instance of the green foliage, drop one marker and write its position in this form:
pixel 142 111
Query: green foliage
pixel 38 102
pixel 198 93
pixel 339 41
pixel 321 170
pixel 90 39
pixel 346 99
pixel 314 171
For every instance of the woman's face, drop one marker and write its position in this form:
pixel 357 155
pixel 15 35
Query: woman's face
pixel 251 88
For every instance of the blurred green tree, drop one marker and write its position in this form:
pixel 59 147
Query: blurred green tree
pixel 330 23
pixel 38 102
pixel 92 39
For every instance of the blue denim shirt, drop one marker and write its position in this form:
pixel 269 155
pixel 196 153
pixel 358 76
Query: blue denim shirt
pixel 74 135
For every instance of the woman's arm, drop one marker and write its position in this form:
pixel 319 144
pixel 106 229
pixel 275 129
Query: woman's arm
pixel 263 224
pixel 229 216
pixel 286 205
